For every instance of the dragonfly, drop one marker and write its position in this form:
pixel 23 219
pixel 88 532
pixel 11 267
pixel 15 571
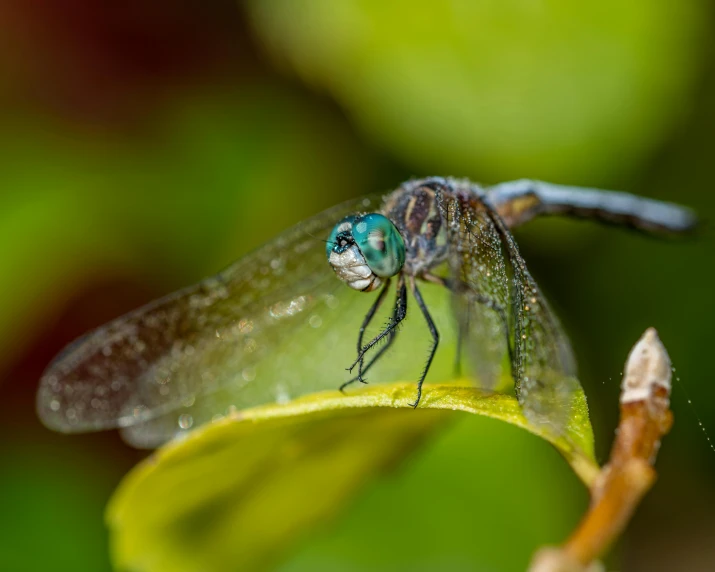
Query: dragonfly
pixel 262 330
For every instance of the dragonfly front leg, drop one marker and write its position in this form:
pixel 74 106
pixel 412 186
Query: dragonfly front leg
pixel 390 338
pixel 365 323
pixel 398 315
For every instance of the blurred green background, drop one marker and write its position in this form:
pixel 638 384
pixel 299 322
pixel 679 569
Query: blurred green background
pixel 146 144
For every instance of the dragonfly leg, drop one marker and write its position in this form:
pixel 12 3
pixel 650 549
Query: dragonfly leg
pixel 435 339
pixel 365 323
pixel 390 338
pixel 398 315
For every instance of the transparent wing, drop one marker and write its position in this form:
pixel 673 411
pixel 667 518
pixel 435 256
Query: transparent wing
pixel 201 352
pixel 505 317
pixel 481 291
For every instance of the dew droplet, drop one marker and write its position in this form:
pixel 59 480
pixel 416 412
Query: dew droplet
pixel 185 421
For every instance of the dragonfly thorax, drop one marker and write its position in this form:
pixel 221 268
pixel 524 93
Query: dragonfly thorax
pixel 364 250
pixel 415 209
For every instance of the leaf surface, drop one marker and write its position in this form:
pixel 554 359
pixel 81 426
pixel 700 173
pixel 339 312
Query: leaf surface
pixel 235 493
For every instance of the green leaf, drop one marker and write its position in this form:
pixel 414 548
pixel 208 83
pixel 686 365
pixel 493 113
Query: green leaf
pixel 235 493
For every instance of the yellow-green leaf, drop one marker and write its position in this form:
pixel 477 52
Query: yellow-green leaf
pixel 233 494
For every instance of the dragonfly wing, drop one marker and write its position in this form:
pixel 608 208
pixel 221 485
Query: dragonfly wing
pixel 486 260
pixel 481 298
pixel 206 344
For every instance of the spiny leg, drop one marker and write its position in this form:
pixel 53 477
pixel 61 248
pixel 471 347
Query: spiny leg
pixel 435 338
pixel 397 317
pixel 390 338
pixel 365 323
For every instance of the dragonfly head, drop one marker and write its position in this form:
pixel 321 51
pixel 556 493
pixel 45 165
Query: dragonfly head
pixel 365 249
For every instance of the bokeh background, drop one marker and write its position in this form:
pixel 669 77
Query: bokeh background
pixel 146 144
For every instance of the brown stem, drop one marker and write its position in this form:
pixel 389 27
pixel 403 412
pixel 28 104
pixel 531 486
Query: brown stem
pixel 645 418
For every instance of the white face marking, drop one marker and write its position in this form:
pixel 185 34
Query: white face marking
pixel 351 268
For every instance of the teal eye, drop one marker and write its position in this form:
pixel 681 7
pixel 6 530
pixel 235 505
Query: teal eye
pixel 380 243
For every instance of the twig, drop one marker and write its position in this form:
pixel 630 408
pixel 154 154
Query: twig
pixel 645 418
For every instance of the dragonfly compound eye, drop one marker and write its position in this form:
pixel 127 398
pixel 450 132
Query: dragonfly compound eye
pixel 365 249
pixel 380 243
